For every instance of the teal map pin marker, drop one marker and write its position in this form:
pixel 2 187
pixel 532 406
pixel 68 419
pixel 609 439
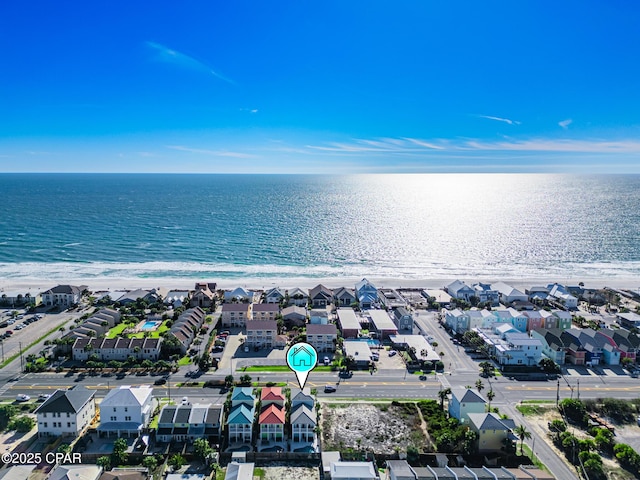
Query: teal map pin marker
pixel 302 358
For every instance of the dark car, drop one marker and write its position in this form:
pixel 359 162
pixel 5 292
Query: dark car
pixel 423 377
pixel 160 381
pixel 329 389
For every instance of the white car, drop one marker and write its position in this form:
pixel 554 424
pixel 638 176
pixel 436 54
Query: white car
pixel 23 398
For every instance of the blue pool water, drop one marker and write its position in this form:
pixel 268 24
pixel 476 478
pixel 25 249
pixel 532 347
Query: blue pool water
pixel 150 325
pixel 372 342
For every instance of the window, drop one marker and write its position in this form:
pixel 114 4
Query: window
pixel 114 409
pixel 127 419
pixel 45 425
pixel 69 424
pixel 126 409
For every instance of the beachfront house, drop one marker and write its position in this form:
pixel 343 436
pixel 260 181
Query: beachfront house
pixel 148 296
pixel 62 295
pixel 204 295
pixel 460 290
pixel 298 297
pixel 560 295
pixel 66 412
pixel 486 294
pixel 126 410
pixel 274 295
pixel 320 296
pixel 240 295
pixel 390 298
pixel 366 293
pixel 176 298
pixel 344 297
pixel 509 294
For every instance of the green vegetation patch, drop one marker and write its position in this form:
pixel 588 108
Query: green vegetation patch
pixel 532 410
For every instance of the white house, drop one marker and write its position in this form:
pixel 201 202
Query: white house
pixel 322 337
pixel 63 295
pixel 509 294
pixel 66 412
pixel 126 410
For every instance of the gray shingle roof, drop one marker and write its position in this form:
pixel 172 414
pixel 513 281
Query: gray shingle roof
pixel 63 401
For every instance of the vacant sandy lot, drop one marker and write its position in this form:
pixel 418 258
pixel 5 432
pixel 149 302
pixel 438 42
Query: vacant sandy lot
pixel 379 427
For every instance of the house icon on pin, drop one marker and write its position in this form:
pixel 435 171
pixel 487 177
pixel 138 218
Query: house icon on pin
pixel 302 357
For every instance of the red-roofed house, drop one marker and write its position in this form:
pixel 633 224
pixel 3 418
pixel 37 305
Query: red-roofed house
pixel 272 396
pixel 271 423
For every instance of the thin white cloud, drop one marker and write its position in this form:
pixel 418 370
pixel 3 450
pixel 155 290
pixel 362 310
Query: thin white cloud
pixel 499 119
pixel 167 55
pixel 565 123
pixel 215 153
pixel 413 146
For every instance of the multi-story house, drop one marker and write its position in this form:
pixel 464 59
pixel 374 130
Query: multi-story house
pixel 464 401
pixel 552 345
pixel 366 293
pixel 344 297
pixel 235 314
pixel 298 297
pixel 62 295
pixel 509 294
pixel 66 412
pixel 187 422
pixel 382 324
pixel 186 327
pixel 274 295
pixel 320 296
pixel 456 320
pixel 322 337
pixel 460 290
pixel 493 432
pixel 486 294
pixel 126 410
pixel 403 319
pixel 204 295
pixel 261 333
pixel 348 322
pixel 119 349
pixel 265 311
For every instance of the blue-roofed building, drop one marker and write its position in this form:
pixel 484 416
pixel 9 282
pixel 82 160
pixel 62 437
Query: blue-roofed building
pixel 243 396
pixel 367 293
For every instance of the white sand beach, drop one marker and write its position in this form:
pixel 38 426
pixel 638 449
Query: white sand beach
pixel 114 283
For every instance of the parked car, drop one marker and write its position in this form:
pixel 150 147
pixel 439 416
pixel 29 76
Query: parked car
pixel 423 377
pixel 23 398
pixel 160 381
pixel 329 389
pixel 392 353
pixel 43 396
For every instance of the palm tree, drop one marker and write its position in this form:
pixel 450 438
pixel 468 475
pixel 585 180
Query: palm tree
pixel 443 394
pixel 523 433
pixel 490 396
pixel 479 385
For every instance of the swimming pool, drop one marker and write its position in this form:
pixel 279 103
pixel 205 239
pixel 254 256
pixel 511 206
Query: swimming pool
pixel 152 325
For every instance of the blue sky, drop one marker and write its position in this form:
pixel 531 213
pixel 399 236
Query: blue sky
pixel 331 86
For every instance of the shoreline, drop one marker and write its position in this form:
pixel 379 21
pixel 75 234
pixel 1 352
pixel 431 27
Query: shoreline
pixel 36 285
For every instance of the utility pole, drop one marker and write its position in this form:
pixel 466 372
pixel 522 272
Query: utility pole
pixel 558 394
pixel 21 359
pixel 578 389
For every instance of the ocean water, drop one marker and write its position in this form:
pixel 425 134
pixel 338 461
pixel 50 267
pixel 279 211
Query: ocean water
pixel 274 226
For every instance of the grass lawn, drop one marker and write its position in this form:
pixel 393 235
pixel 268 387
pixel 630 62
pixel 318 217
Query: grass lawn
pixel 279 368
pixel 529 410
pixel 186 360
pixel 527 451
pixel 118 329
